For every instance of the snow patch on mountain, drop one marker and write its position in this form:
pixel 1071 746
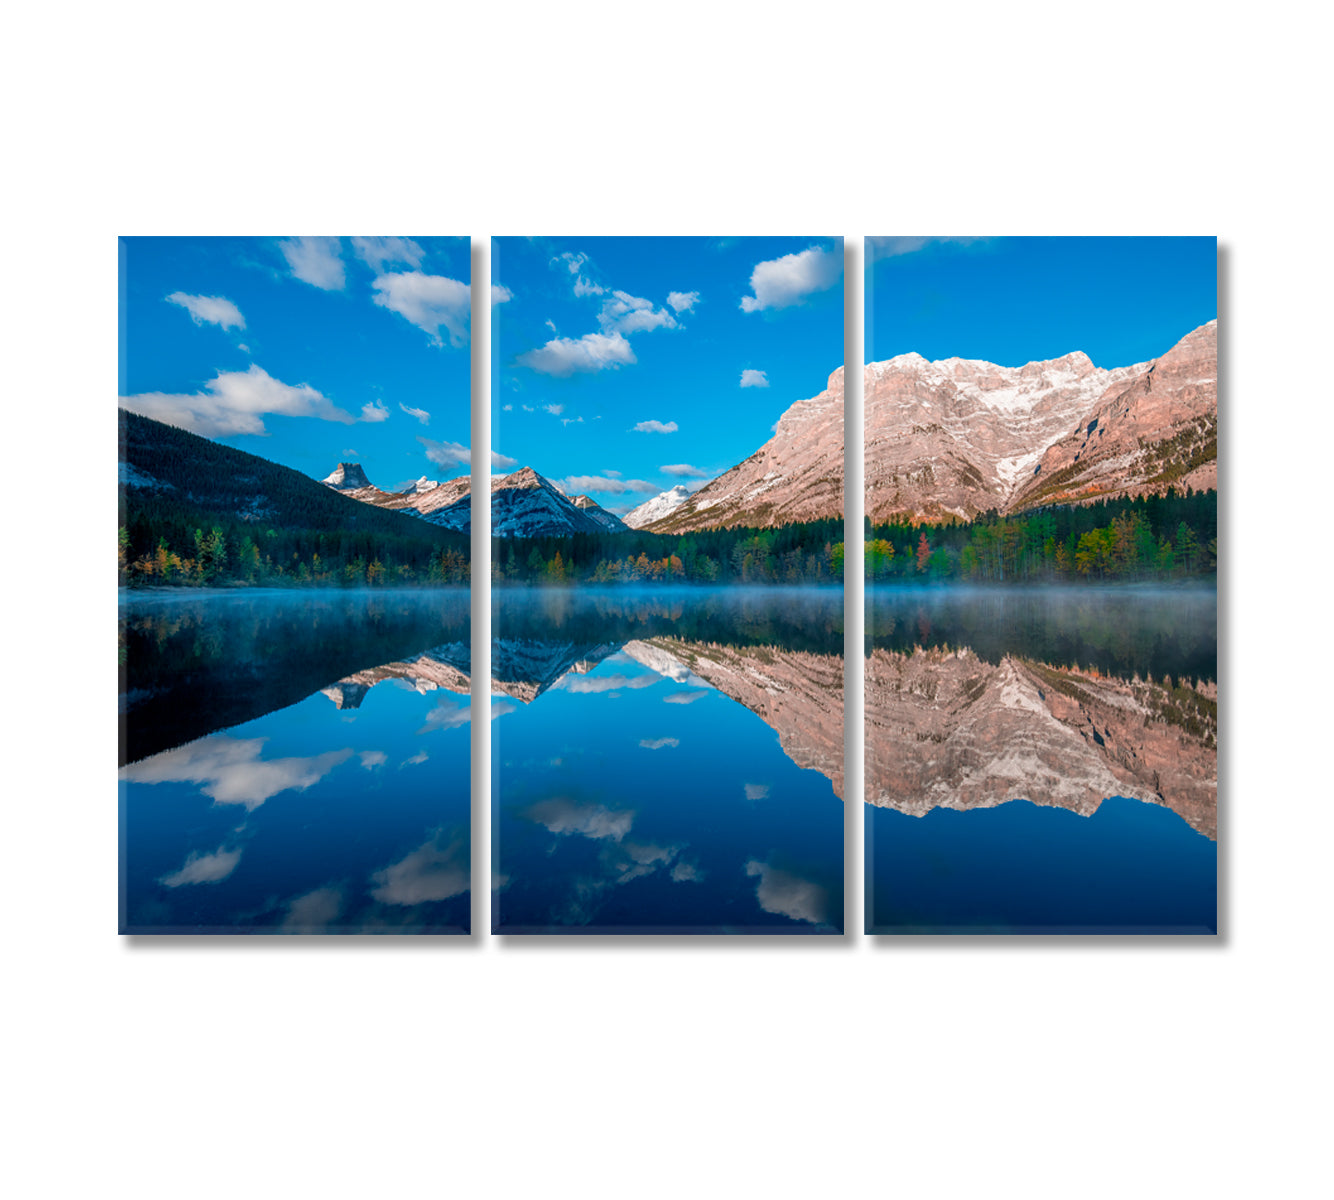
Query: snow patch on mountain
pixel 657 508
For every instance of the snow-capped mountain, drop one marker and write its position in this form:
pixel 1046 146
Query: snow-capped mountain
pixel 524 504
pixel 1157 430
pixel 426 498
pixel 956 437
pixel 797 475
pixel 657 508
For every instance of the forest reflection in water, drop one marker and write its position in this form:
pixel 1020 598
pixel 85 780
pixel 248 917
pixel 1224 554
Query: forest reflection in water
pixel 987 713
pixel 295 762
pixel 668 762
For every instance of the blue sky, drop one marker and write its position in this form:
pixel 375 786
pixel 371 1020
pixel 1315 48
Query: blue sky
pixel 1012 301
pixel 624 366
pixel 306 351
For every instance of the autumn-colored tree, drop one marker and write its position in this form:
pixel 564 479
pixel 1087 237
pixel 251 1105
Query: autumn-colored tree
pixel 923 552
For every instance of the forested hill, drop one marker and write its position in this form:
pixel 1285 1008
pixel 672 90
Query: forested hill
pixel 193 511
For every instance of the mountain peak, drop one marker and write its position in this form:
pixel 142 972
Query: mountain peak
pixel 347 477
pixel 524 477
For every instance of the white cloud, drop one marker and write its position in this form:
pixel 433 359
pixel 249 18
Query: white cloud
pixel 563 357
pixel 562 816
pixel 756 791
pixel 789 895
pixel 655 427
pixel 380 252
pixel 751 378
pixel 659 743
pixel 591 685
pixel 316 260
pixel 680 469
pixel 213 310
pixel 314 912
pixel 684 697
pixel 682 301
pixel 571 420
pixel 415 761
pixel 502 462
pixel 374 411
pixel 434 871
pixel 612 474
pixel 448 713
pixel 500 294
pixel 785 281
pixel 554 409
pixel 574 264
pixel 232 771
pixel 235 402
pixel 452 454
pixel 428 302
pixel 507 408
pixel 687 872
pixel 572 485
pixel 420 413
pixel 624 313
pixel 370 759
pixel 204 868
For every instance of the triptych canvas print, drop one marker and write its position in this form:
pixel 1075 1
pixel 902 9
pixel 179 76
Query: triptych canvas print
pixel 667 573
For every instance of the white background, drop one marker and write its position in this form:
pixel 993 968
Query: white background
pixel 564 1066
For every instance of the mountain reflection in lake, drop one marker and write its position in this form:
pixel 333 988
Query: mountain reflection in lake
pixel 295 762
pixel 1041 761
pixel 669 763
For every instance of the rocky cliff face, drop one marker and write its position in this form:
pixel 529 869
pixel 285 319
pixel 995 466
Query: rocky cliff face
pixel 953 438
pixel 1155 431
pixel 347 477
pixel 797 475
pixel 945 729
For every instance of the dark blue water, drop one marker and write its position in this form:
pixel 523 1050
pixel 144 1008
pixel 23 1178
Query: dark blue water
pixel 640 777
pixel 1041 762
pixel 344 810
pixel 1132 867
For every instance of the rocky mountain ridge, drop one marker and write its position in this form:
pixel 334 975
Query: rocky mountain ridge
pixel 951 439
pixel 523 503
pixel 797 475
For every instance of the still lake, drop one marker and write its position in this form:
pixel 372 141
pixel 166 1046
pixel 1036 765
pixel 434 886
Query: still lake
pixel 669 762
pixel 1041 760
pixel 295 762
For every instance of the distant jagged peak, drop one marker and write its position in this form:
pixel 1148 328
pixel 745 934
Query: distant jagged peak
pixel 422 485
pixel 347 477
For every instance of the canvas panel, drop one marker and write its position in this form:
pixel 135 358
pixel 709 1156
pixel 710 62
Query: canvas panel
pixel 667 609
pixel 294 629
pixel 1041 700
